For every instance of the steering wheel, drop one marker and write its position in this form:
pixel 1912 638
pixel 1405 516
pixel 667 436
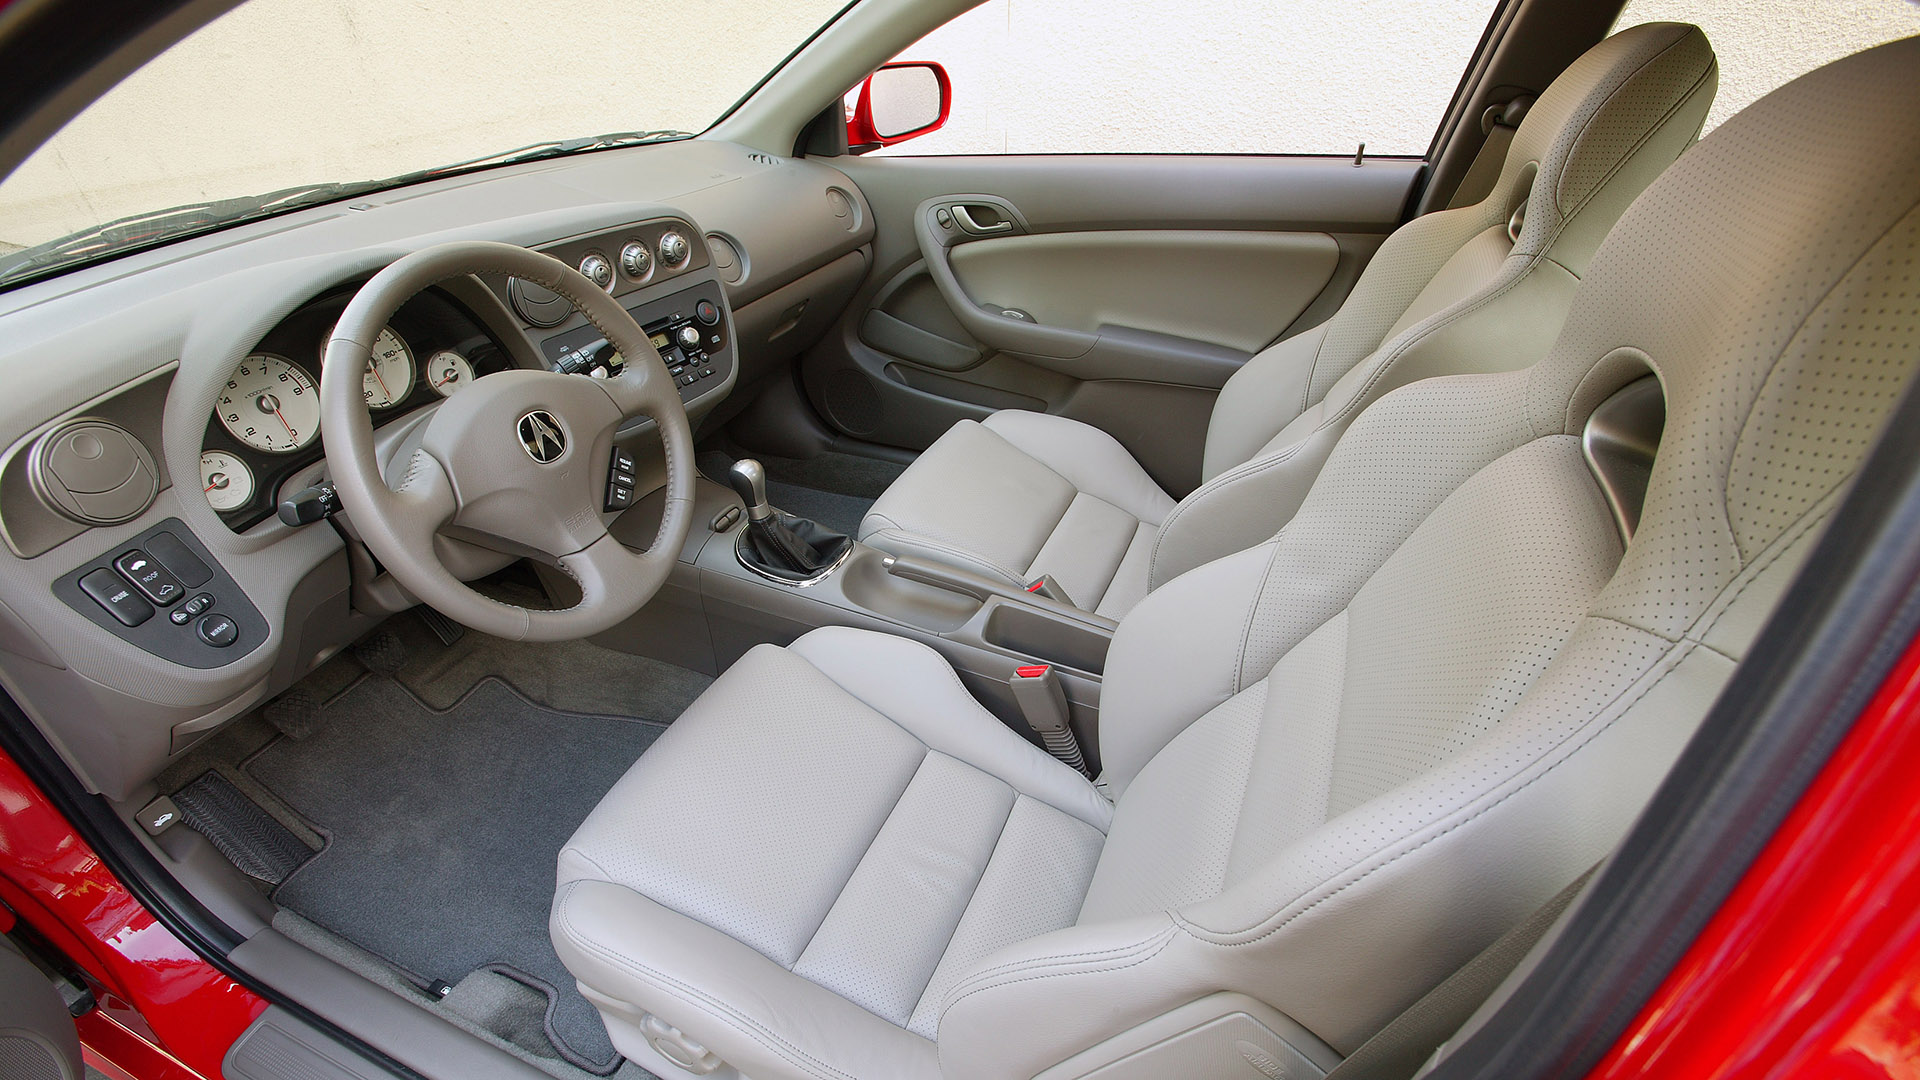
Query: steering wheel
pixel 518 460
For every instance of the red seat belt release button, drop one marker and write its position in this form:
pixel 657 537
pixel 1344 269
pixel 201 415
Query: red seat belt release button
pixel 1044 585
pixel 1043 702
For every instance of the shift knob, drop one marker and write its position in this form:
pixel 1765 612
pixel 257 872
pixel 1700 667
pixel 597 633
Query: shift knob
pixel 749 478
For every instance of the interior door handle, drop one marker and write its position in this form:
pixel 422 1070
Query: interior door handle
pixel 969 220
pixel 935 225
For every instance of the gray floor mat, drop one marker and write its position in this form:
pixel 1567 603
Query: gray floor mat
pixel 833 489
pixel 572 676
pixel 443 828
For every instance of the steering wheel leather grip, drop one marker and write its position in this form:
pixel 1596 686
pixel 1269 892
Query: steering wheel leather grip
pixel 476 475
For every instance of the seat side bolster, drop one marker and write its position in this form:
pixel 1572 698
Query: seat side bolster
pixel 1260 399
pixel 1086 981
pixel 634 957
pixel 1091 460
pixel 916 688
pixel 1180 650
pixel 1241 507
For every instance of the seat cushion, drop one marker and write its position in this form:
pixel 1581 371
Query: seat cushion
pixel 1023 494
pixel 822 843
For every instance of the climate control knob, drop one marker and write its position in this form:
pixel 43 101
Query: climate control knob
pixel 689 336
pixel 636 260
pixel 674 250
pixel 597 269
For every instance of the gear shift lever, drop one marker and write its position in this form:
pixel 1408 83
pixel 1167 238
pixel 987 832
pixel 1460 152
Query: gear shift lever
pixel 749 478
pixel 781 546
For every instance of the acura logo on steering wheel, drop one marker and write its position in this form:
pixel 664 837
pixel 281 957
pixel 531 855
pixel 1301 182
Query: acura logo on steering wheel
pixel 541 438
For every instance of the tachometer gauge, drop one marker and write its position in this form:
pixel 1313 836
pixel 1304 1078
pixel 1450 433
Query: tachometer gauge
pixel 448 372
pixel 227 481
pixel 271 404
pixel 389 374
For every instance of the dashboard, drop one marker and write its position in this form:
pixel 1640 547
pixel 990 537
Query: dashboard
pixel 265 426
pixel 159 409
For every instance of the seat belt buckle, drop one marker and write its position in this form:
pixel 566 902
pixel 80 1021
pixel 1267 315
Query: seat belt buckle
pixel 1044 585
pixel 1042 699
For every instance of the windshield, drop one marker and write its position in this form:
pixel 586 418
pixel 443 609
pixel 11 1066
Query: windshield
pixel 285 103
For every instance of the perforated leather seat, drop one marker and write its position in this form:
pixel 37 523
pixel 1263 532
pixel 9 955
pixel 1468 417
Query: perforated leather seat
pixel 1023 494
pixel 1337 764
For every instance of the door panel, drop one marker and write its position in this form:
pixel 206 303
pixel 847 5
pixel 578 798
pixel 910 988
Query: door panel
pixel 1238 290
pixel 1119 290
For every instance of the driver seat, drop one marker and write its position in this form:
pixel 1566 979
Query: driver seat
pixel 1336 765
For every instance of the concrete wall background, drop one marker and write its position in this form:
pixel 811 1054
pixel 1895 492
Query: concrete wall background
pixel 281 92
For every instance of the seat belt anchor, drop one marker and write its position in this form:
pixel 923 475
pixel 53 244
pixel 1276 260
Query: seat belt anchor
pixel 1043 703
pixel 1044 585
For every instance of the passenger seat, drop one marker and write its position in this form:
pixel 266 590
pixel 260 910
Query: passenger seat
pixel 1479 288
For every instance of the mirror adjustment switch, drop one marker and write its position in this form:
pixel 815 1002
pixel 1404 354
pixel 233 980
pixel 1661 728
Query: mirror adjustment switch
pixel 153 579
pixel 112 592
pixel 217 630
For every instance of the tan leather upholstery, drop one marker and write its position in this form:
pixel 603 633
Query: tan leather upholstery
pixel 1342 761
pixel 1449 293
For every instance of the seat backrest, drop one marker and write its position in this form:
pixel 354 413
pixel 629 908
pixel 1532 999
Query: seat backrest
pixel 1348 759
pixel 1451 292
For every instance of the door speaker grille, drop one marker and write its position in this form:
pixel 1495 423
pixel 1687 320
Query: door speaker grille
pixel 852 402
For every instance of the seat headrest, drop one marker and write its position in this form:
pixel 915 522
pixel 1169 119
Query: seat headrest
pixel 1769 279
pixel 1605 106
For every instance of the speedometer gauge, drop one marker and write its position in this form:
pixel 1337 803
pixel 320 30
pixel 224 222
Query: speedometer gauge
pixel 271 404
pixel 226 480
pixel 389 375
pixel 448 372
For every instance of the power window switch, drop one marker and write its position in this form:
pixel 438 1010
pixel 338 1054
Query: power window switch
pixel 112 592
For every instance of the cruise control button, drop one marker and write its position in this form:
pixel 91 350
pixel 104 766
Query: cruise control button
pixel 153 579
pixel 217 630
pixel 110 591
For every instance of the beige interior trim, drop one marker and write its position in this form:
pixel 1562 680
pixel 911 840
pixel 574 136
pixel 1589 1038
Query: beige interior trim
pixel 1236 289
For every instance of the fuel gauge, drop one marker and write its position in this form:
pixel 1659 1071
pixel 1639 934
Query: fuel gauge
pixel 226 480
pixel 448 372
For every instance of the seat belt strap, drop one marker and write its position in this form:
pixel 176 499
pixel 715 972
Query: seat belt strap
pixel 1043 702
pixel 1500 122
pixel 1397 1051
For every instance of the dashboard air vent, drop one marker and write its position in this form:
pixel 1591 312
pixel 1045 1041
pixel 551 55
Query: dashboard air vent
pixel 94 472
pixel 762 159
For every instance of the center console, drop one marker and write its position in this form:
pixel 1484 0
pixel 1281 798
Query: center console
pixel 717 605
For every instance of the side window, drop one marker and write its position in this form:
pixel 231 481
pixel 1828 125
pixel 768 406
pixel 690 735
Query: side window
pixel 1765 44
pixel 1199 76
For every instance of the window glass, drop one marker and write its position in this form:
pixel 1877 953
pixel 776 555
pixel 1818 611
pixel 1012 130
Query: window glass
pixel 1199 76
pixel 1765 44
pixel 277 94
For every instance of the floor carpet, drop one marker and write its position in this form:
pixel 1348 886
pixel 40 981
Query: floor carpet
pixel 442 829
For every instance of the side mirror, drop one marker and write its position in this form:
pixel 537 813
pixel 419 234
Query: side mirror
pixel 897 103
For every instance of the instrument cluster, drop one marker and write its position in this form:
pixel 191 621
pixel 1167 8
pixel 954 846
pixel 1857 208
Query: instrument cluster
pixel 266 422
